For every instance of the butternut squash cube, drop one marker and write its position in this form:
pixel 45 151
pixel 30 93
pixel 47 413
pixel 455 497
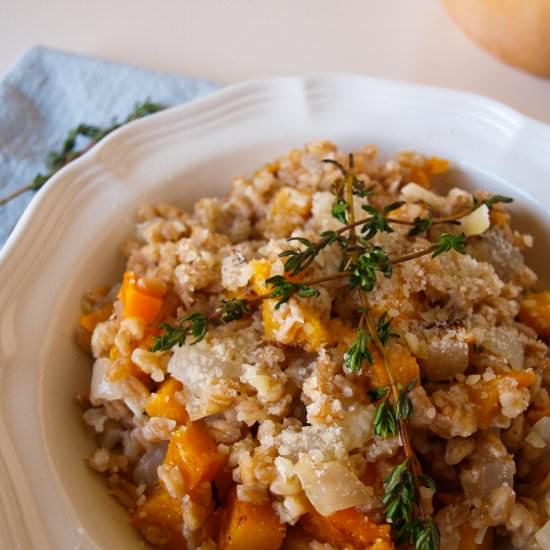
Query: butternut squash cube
pixel 164 402
pixel 159 521
pixel 486 396
pixel 467 536
pixel 137 301
pixel 247 526
pixel 89 321
pixel 535 312
pixel 348 528
pixel 402 363
pixel 195 454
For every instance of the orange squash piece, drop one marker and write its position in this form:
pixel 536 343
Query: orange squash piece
pixel 165 404
pixel 159 521
pixel 485 394
pixel 499 217
pixel 403 364
pixel 348 527
pixel 247 526
pixel 422 175
pixel 137 301
pixel 195 454
pixel 90 320
pixel 310 335
pixel 437 166
pixel 467 538
pixel 534 312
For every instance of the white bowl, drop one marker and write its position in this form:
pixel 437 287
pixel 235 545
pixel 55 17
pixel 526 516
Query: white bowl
pixel 67 241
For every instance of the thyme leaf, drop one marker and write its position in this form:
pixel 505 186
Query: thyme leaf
pixel 377 393
pixel 376 223
pixel 384 329
pixel 363 272
pixel 358 352
pixel 340 210
pixel 448 242
pixel 421 226
pixel 404 407
pixel 385 422
pixel 231 310
pixel 283 289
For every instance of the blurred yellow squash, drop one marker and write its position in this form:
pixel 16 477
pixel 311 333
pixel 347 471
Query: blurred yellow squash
pixel 516 31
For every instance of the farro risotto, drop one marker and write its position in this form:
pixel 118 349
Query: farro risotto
pixel 335 356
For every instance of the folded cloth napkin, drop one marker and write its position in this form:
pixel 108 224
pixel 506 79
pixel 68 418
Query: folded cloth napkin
pixel 49 92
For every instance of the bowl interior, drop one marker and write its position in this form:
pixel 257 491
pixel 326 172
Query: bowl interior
pixel 69 369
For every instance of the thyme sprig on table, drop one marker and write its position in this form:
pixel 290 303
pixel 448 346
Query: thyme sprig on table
pixel 360 265
pixel 68 151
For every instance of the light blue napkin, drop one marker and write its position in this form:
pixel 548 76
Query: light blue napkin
pixel 48 92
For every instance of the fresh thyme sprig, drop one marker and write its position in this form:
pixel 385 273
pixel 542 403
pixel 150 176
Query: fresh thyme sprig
pixel 361 274
pixel 402 505
pixel 68 152
pixel 195 324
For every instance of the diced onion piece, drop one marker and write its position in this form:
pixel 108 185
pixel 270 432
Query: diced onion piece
pixel 102 388
pixel 330 486
pixel 412 192
pixel 542 429
pixel 446 356
pixel 543 536
pixel 146 469
pixel 535 440
pixel 477 222
pixel 502 342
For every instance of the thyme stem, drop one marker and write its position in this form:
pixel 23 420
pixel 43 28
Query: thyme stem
pixel 407 447
pixel 414 255
pixel 15 194
pixel 351 209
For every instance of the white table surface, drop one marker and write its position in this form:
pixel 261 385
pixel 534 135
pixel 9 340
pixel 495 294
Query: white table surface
pixel 232 40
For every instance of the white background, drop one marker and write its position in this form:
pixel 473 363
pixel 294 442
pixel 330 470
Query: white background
pixel 231 40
